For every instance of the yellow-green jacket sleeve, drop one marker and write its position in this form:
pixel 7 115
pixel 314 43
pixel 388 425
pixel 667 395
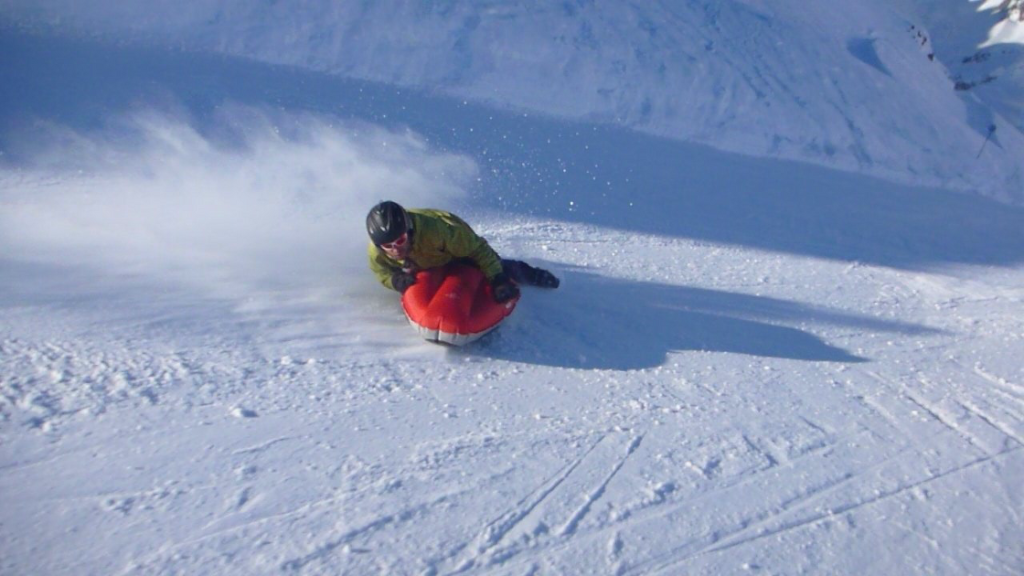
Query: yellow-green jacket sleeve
pixel 463 242
pixel 380 266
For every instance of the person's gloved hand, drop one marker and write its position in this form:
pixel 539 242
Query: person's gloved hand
pixel 503 289
pixel 402 281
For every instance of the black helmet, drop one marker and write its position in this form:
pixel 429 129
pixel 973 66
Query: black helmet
pixel 386 222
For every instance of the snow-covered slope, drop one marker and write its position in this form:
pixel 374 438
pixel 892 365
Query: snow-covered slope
pixel 848 87
pixel 753 366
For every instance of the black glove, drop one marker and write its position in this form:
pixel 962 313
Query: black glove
pixel 504 289
pixel 402 281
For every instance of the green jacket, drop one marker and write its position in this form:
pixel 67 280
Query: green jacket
pixel 438 237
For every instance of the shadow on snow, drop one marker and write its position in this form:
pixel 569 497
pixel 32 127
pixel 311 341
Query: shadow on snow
pixel 585 324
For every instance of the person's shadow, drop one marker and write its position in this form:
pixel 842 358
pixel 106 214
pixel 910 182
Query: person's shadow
pixel 598 322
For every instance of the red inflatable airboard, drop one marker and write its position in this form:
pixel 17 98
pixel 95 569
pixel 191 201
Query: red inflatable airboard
pixel 453 304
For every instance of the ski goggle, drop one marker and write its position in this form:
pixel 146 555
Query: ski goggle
pixel 396 243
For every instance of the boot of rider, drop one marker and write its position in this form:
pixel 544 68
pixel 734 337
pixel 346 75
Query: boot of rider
pixel 525 274
pixel 542 278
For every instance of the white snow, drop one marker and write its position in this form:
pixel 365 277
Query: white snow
pixel 1010 28
pixel 754 364
pixel 845 86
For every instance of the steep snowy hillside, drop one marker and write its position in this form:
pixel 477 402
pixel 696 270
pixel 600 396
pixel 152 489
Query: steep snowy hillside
pixel 982 45
pixel 849 88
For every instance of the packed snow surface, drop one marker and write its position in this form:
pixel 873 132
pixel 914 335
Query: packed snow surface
pixel 752 366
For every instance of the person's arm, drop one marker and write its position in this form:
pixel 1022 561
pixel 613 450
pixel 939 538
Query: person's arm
pixel 463 242
pixel 384 271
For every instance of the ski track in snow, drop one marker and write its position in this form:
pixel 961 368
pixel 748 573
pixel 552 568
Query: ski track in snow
pixel 549 512
pixel 775 525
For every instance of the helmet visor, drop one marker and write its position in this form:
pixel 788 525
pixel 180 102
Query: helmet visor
pixel 396 244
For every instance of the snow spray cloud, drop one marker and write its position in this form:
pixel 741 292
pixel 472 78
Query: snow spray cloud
pixel 253 199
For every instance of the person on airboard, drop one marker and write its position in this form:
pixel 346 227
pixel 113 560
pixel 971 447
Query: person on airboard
pixel 403 242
